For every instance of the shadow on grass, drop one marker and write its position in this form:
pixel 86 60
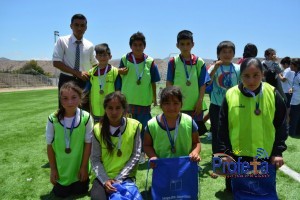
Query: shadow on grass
pixel 51 196
pixel 206 170
pixel 46 165
pixel 143 166
pixel 147 194
pixel 224 195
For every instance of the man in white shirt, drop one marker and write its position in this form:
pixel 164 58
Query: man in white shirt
pixel 74 55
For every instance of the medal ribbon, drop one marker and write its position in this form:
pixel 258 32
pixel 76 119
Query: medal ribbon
pixel 138 74
pixel 102 83
pixel 187 75
pixel 172 141
pixel 255 96
pixel 224 75
pixel 68 136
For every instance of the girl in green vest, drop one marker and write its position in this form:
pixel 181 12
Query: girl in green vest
pixel 172 134
pixel 116 147
pixel 68 135
pixel 252 130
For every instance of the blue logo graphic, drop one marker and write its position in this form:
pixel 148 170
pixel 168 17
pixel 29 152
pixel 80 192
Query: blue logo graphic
pixel 261 153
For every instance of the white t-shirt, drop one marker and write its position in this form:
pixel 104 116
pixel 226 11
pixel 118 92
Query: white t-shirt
pixel 289 75
pixel 296 90
pixel 68 121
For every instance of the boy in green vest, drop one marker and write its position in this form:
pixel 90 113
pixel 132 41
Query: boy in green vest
pixel 139 84
pixel 102 80
pixel 188 72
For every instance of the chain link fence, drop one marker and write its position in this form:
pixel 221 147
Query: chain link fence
pixel 8 80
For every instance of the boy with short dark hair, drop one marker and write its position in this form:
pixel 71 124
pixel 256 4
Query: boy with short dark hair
pixel 102 79
pixel 224 75
pixel 188 72
pixel 139 84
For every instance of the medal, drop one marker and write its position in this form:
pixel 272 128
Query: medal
pixel 188 83
pixel 102 80
pixel 173 149
pixel 137 72
pixel 68 150
pixel 119 153
pixel 257 111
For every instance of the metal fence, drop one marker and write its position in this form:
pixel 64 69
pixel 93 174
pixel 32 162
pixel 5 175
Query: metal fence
pixel 8 80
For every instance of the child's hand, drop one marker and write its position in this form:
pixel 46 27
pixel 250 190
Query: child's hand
pixel 218 63
pixel 195 157
pixel 277 161
pixel 83 174
pixel 152 164
pixel 291 91
pixel 123 70
pixel 108 186
pixel 54 176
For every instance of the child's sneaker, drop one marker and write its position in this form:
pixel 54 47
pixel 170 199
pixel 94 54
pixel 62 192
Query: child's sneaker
pixel 142 158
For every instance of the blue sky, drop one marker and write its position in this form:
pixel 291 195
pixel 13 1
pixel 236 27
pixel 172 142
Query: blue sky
pixel 27 27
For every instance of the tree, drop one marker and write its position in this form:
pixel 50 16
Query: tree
pixel 31 67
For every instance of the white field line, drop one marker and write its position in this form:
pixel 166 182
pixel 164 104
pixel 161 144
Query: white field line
pixel 291 173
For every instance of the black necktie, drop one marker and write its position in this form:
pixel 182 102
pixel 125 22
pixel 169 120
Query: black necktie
pixel 77 56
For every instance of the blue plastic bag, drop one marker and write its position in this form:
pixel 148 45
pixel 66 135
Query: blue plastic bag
pixel 125 191
pixel 175 178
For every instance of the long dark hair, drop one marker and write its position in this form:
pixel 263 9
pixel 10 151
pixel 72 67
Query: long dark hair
pixel 105 132
pixel 60 113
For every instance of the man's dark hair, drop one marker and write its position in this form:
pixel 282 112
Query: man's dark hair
pixel 78 16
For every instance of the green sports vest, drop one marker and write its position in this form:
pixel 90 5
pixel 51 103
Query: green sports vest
pixel 248 131
pixel 68 165
pixel 161 143
pixel 190 93
pixel 142 94
pixel 109 87
pixel 113 164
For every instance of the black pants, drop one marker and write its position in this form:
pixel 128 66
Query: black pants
pixel 214 111
pixel 76 188
pixel 63 78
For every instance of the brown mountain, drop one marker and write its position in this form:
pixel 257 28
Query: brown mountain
pixel 7 65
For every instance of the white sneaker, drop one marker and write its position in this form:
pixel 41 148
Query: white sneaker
pixel 142 158
pixel 209 136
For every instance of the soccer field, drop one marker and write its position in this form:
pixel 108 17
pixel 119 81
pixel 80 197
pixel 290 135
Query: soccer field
pixel 23 117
